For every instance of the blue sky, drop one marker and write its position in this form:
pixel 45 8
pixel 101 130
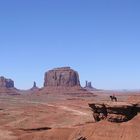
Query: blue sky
pixel 98 38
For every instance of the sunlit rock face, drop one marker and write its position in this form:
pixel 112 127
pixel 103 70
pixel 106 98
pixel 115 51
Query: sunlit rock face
pixel 6 83
pixel 114 112
pixel 61 77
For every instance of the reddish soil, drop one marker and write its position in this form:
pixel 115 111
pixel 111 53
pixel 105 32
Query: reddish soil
pixel 62 117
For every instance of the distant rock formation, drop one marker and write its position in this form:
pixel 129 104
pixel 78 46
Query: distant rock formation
pixel 115 111
pixel 34 88
pixel 34 85
pixel 88 85
pixel 6 83
pixel 61 77
pixel 7 87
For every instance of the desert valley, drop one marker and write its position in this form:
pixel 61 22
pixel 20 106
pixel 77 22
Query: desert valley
pixel 63 110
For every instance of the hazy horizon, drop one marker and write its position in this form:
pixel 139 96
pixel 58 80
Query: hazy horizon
pixel 99 39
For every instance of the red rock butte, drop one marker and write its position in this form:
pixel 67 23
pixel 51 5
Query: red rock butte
pixel 6 83
pixel 61 77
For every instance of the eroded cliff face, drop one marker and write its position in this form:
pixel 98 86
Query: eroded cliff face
pixel 61 77
pixel 7 86
pixel 114 111
pixel 6 83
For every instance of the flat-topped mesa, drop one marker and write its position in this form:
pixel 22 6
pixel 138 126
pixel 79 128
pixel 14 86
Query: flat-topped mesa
pixel 60 68
pixel 6 83
pixel 61 77
pixel 114 111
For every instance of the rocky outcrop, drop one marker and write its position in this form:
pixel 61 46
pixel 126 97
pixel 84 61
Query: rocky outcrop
pixel 88 86
pixel 7 87
pixel 6 83
pixel 114 111
pixel 34 88
pixel 61 77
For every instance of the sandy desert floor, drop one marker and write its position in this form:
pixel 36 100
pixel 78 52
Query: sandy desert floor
pixel 61 117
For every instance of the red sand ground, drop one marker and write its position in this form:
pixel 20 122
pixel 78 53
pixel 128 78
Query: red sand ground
pixel 61 117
